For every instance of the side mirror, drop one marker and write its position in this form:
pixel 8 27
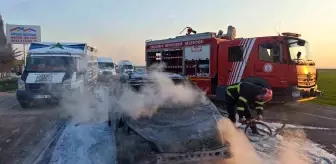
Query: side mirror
pixel 298 55
pixel 301 42
pixel 18 73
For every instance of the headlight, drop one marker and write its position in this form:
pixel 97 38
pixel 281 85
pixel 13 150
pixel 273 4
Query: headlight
pixel 21 85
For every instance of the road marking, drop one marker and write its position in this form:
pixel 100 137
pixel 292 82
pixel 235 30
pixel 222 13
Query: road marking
pixel 296 126
pixel 328 118
pixel 310 128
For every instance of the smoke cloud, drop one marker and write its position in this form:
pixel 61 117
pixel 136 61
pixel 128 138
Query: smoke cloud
pixel 241 149
pixel 292 148
pixel 118 97
pixel 89 107
pixel 161 92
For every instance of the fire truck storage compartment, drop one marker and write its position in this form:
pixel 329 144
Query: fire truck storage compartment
pixel 153 58
pixel 171 58
pixel 197 60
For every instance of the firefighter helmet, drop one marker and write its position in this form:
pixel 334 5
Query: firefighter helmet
pixel 267 95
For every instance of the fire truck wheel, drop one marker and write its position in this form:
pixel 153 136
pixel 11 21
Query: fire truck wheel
pixel 257 80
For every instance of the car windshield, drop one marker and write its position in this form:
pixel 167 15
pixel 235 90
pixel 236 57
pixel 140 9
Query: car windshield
pixel 139 70
pixel 299 51
pixel 50 63
pixel 105 65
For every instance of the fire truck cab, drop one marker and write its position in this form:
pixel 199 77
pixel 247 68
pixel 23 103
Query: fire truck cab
pixel 213 61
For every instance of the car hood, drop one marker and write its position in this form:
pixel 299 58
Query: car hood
pixel 180 128
pixel 136 75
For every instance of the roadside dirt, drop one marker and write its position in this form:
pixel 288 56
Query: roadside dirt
pixel 22 131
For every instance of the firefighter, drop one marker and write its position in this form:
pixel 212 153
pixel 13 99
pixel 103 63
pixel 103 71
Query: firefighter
pixel 242 96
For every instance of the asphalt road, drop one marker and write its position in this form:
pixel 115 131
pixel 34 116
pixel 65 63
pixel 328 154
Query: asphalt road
pixel 22 130
pixel 306 114
pixel 26 133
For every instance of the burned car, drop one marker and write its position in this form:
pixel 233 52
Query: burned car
pixel 174 133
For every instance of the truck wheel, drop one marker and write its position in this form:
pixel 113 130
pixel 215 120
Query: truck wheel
pixel 25 104
pixel 53 102
pixel 109 121
pixel 258 81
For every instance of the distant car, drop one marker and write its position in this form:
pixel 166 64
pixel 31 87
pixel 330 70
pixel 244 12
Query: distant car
pixel 125 66
pixel 134 79
pixel 140 70
pixel 175 133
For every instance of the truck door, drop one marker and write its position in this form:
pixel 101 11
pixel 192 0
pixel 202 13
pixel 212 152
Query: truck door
pixel 229 55
pixel 272 63
pixel 230 63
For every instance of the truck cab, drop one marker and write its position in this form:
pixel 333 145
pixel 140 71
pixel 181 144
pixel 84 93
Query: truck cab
pixel 213 61
pixel 125 66
pixel 53 68
pixel 107 68
pixel 282 63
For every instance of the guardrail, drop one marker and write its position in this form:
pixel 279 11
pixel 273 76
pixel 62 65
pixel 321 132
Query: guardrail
pixel 7 75
pixel 4 75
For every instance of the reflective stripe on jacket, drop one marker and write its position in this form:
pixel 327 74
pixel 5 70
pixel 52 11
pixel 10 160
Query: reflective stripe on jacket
pixel 245 95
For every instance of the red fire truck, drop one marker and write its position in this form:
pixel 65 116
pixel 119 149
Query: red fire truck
pixel 213 61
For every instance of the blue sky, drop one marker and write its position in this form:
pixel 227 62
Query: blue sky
pixel 119 28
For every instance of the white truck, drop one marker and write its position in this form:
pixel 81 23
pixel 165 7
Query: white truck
pixel 107 69
pixel 52 68
pixel 125 66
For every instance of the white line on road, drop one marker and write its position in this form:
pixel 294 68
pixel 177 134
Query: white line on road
pixel 310 128
pixel 328 118
pixel 293 126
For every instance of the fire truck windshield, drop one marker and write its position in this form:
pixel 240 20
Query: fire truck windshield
pixel 299 51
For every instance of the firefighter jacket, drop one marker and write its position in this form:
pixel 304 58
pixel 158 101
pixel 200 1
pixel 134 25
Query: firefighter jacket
pixel 244 94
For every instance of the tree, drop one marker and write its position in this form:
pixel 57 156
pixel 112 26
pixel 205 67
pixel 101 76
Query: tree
pixel 7 52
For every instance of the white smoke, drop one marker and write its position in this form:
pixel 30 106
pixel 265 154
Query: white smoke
pixel 120 98
pixel 90 106
pixel 160 92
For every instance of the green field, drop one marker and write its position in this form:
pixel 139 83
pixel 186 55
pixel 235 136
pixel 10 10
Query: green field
pixel 327 83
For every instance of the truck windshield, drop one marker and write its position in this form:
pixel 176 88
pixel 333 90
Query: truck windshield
pixel 127 66
pixel 299 51
pixel 105 65
pixel 50 63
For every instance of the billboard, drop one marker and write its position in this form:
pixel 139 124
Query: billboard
pixel 23 34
